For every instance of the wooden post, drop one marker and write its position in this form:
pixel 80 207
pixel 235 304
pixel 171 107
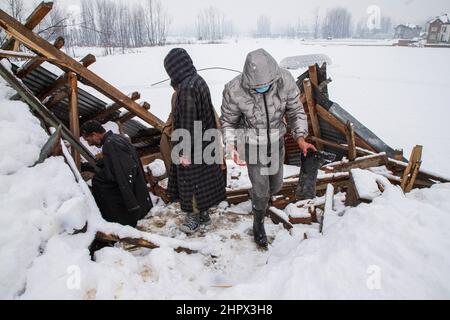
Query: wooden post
pixel 411 171
pixel 398 155
pixel 312 111
pixel 74 119
pixel 350 134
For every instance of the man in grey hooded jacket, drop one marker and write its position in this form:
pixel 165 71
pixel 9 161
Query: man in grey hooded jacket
pixel 254 108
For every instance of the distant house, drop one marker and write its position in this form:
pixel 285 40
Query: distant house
pixel 407 31
pixel 438 29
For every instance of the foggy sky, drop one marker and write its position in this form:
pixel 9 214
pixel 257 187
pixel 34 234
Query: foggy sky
pixel 243 13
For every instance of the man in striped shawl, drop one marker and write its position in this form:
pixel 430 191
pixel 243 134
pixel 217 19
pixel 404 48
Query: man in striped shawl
pixel 197 185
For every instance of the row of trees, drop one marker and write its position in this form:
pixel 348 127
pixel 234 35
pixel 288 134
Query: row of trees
pixel 118 24
pixel 336 23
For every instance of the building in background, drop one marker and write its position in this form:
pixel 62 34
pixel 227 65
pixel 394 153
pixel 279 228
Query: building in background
pixel 407 31
pixel 438 29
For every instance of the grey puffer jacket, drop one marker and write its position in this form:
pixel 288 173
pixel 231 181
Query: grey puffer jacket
pixel 244 108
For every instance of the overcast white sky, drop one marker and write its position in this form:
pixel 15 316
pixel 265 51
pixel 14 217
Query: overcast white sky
pixel 243 13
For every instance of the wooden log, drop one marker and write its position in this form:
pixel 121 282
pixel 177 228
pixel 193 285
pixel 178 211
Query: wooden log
pixel 39 45
pixel 398 154
pixel 130 115
pixel 276 219
pixel 338 125
pixel 365 162
pixel 32 64
pixel 73 116
pixel 312 110
pixel 350 134
pixel 32 21
pixel 410 173
pixel 138 242
pixel 104 114
pixel 49 118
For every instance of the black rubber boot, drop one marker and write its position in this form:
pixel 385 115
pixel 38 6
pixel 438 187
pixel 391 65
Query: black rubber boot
pixel 306 188
pixel 259 233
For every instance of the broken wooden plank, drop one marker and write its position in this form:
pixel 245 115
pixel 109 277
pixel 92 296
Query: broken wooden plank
pixel 39 45
pixel 32 21
pixel 365 162
pixel 32 64
pixel 139 242
pixel 278 216
pixel 73 115
pixel 45 114
pixel 312 111
pixel 350 135
pixel 410 173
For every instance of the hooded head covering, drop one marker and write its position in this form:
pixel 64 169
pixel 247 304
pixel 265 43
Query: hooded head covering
pixel 260 70
pixel 178 65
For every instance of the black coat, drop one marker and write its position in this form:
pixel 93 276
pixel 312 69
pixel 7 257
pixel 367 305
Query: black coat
pixel 120 188
pixel 193 103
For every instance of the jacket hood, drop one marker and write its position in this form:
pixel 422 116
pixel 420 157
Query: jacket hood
pixel 178 65
pixel 260 69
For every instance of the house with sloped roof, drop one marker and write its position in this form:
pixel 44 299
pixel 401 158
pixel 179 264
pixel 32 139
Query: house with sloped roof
pixel 438 29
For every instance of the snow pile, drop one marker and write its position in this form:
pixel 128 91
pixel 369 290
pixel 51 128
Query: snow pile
pixel 366 183
pixel 157 168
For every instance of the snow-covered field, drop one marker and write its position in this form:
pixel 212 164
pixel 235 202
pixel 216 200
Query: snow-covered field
pixel 396 247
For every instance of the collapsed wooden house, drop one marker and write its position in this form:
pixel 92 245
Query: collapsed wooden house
pixel 58 101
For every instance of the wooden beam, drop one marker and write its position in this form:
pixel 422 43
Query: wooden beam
pixel 130 115
pixel 410 173
pixel 74 118
pixel 338 125
pixel 49 118
pixel 36 62
pixel 39 45
pixel 365 162
pixel 17 55
pixel 32 21
pixel 104 114
pixel 350 134
pixel 312 111
pixel 359 151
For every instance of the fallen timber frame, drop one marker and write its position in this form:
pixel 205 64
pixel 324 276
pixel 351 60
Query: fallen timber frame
pixel 45 114
pixel 37 44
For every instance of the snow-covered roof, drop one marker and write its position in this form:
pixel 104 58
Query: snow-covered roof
pixel 444 19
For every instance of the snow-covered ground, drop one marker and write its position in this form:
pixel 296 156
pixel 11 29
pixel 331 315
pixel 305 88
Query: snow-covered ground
pixel 396 247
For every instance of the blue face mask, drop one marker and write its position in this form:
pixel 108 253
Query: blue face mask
pixel 262 89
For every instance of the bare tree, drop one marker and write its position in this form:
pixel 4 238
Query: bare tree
pixel 316 23
pixel 337 23
pixel 106 20
pixel 16 9
pixel 156 22
pixel 89 33
pixel 263 26
pixel 210 24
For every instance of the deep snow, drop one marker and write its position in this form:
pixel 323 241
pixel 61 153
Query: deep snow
pixel 396 247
